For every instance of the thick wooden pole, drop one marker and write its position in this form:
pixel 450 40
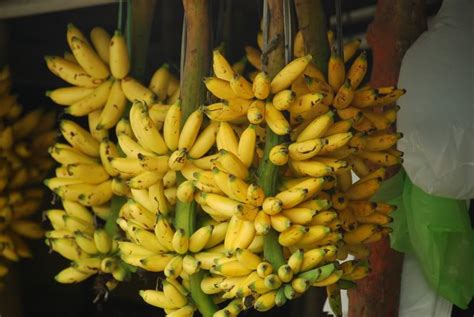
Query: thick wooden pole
pixel 396 26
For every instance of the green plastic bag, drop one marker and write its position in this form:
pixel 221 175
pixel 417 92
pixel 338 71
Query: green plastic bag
pixel 438 232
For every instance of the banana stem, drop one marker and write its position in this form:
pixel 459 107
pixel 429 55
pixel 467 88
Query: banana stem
pixel 267 172
pixel 196 67
pixel 312 23
pixel 111 224
pixel 142 13
pixel 139 21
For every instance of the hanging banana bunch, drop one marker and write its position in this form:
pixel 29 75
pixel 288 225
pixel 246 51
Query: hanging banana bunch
pixel 98 71
pixel 93 166
pixel 77 237
pixel 24 140
pixel 320 214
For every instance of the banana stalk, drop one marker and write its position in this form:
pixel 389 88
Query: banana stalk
pixel 139 24
pixel 142 17
pixel 312 23
pixel 196 66
pixel 268 172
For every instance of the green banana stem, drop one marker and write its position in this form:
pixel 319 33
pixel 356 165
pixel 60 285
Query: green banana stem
pixel 268 179
pixel 196 67
pixel 142 13
pixel 139 21
pixel 267 172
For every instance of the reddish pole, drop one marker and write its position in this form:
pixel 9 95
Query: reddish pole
pixel 396 26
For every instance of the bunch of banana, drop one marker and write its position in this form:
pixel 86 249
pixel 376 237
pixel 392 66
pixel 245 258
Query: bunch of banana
pixel 319 214
pixel 81 177
pixel 24 140
pixel 317 163
pixel 77 237
pixel 156 246
pixel 99 75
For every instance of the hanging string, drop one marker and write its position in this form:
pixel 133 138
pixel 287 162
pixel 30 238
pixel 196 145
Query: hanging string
pixel 120 16
pixel 287 27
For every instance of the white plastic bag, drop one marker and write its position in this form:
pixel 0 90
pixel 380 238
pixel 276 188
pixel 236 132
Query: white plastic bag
pixel 437 113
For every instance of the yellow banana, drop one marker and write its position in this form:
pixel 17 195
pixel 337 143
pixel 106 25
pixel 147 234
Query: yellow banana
pixel 145 180
pixel 221 66
pixel 289 73
pixel 164 233
pixel 241 87
pixel 279 154
pixel 361 233
pixel 261 86
pixel 231 164
pixel 357 71
pixel 381 158
pixel 226 138
pixel 185 191
pixel 79 138
pixel 118 56
pixel 275 120
pixel 131 148
pixel 219 88
pixel 382 142
pixel 71 275
pixel 283 99
pixel 88 173
pixel 159 199
pixel 298 44
pixel 310 168
pixel 93 118
pixel 87 194
pixel 200 238
pixel 145 130
pixel 159 82
pixel 304 150
pixel 190 130
pixel 297 194
pixel 134 90
pixel 292 235
pixel 253 56
pixel 335 142
pixel 114 107
pixel 246 147
pixel 350 48
pixel 88 58
pixel 314 235
pixel 336 72
pixel 108 151
pixel 101 41
pixel 364 98
pixel 157 299
pixel 256 112
pixel 68 95
pixel 71 72
pixel 344 96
